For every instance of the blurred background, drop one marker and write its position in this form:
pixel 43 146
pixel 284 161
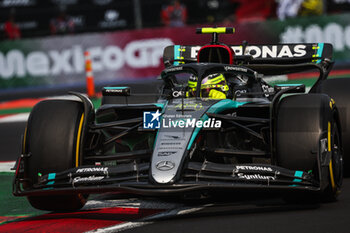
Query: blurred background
pixel 43 45
pixel 42 42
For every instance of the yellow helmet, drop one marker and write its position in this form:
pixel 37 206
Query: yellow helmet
pixel 211 82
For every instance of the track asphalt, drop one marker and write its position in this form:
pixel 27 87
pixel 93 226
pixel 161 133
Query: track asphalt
pixel 265 217
pixel 114 213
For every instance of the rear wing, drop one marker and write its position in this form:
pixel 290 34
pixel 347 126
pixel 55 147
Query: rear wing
pixel 256 54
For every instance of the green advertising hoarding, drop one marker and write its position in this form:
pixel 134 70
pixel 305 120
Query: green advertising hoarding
pixel 334 29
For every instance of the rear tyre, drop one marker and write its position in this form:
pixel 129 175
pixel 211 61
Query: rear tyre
pixel 52 139
pixel 303 121
pixel 338 89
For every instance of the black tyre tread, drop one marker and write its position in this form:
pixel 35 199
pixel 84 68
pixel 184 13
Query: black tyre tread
pixel 307 116
pixel 338 89
pixel 300 122
pixel 51 140
pixel 58 203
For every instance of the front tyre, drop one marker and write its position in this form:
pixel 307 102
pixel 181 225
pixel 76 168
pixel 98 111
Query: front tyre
pixel 338 89
pixel 335 166
pixel 306 131
pixel 52 139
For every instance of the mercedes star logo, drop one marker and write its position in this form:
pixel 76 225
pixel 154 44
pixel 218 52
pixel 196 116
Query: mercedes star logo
pixel 165 165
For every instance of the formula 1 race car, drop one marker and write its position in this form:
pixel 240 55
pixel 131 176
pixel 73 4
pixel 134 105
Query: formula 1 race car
pixel 216 126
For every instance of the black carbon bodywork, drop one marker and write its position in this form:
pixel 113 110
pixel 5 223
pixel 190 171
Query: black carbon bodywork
pixel 118 153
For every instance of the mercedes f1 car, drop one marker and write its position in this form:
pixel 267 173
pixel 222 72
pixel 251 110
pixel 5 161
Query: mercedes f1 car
pixel 258 137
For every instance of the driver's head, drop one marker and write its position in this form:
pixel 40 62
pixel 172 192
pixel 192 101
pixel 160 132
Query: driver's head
pixel 212 86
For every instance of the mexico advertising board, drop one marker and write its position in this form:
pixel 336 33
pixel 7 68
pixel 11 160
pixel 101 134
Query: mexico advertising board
pixel 137 54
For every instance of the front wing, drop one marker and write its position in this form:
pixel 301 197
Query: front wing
pixel 134 178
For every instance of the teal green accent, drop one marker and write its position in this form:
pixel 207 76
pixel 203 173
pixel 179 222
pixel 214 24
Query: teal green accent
pixel 294 185
pixel 115 88
pixel 298 174
pixel 52 176
pixel 224 105
pixel 289 85
pixel 160 105
pixel 215 108
pixel 176 54
pixel 319 51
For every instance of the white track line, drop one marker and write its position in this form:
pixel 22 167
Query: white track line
pixel 131 203
pixel 65 97
pixel 276 78
pixel 6 166
pixel 120 227
pixel 147 220
pixel 22 117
